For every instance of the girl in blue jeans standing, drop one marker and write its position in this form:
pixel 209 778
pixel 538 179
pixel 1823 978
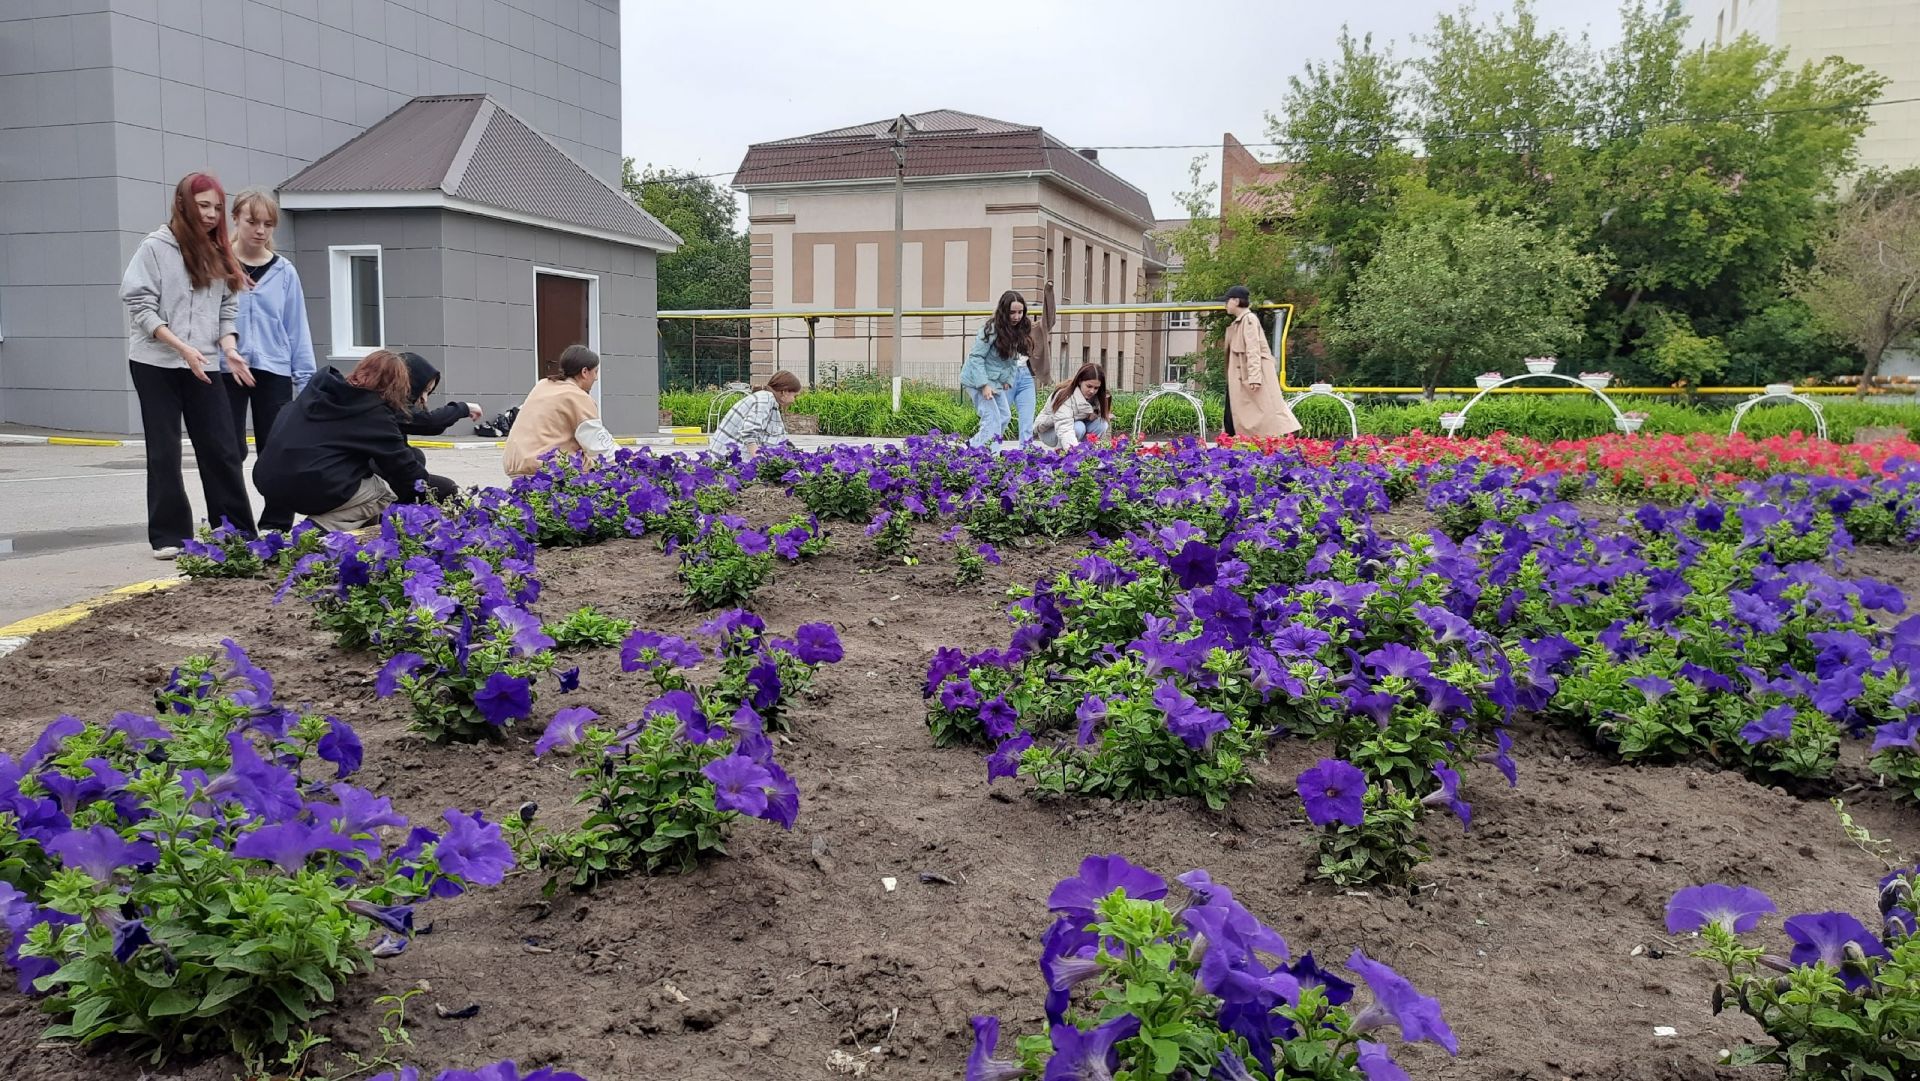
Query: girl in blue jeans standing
pixel 996 369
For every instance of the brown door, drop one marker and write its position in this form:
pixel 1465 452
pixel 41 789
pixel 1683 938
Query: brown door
pixel 559 318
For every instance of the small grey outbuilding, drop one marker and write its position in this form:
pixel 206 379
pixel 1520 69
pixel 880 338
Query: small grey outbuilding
pixel 455 230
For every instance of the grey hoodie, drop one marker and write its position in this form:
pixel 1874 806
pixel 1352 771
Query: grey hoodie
pixel 157 292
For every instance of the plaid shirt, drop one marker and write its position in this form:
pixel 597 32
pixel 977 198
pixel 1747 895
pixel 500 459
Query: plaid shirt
pixel 755 418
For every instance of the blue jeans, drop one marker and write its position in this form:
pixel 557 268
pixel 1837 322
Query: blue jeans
pixel 1023 400
pixel 994 415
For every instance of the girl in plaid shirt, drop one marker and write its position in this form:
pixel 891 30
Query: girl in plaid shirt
pixel 757 420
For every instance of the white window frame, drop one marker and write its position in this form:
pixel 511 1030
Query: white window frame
pixel 340 300
pixel 1183 320
pixel 593 318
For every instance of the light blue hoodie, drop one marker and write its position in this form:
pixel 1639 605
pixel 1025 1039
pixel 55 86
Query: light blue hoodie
pixel 272 325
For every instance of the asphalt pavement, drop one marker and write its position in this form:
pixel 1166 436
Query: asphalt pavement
pixel 73 520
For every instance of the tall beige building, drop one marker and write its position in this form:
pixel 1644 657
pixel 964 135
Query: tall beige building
pixel 989 206
pixel 1881 34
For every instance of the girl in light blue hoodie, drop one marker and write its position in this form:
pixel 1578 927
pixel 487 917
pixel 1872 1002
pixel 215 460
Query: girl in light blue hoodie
pixel 274 337
pixel 991 372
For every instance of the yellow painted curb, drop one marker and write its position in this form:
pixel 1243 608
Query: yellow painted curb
pixel 74 613
pixel 684 429
pixel 77 441
pixel 432 444
pixel 688 440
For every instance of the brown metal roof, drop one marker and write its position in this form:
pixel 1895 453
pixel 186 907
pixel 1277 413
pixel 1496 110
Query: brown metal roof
pixel 944 142
pixel 408 151
pixel 470 147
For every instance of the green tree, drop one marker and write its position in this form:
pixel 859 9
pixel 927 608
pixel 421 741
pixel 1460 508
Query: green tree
pixel 1706 181
pixel 1865 279
pixel 712 269
pixel 1450 286
pixel 1500 106
pixel 1343 127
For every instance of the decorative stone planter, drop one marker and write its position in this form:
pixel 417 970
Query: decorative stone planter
pixel 1487 382
pixel 1879 433
pixel 1453 422
pixel 1320 388
pixel 1597 381
pixel 1541 365
pixel 1629 424
pixel 1173 388
pixel 1782 389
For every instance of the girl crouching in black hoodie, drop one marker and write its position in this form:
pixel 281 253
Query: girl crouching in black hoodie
pixel 338 455
pixel 422 378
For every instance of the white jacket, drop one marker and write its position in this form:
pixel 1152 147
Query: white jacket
pixel 1060 421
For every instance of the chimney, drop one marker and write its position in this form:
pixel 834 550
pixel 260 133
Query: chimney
pixel 1088 153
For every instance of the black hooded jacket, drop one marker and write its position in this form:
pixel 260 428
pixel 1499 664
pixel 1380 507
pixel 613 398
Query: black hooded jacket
pixel 421 420
pixel 328 440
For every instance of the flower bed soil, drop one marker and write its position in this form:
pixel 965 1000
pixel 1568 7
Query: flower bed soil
pixel 765 964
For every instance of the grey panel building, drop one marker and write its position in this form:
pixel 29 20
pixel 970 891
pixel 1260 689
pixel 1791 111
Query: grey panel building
pixel 497 203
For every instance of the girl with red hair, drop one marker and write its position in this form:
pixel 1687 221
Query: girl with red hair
pixel 181 293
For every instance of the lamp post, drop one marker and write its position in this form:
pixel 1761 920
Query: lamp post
pixel 899 230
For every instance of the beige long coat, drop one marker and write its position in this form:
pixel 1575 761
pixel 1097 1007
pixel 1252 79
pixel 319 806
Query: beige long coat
pixel 1253 382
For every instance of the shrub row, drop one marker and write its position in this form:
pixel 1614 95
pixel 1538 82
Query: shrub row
pixel 924 409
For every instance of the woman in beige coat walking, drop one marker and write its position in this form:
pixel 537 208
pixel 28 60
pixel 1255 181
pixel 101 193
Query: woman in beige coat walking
pixel 1256 406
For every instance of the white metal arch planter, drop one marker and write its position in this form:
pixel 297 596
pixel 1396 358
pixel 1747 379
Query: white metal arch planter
pixel 1179 390
pixel 1325 390
pixel 1781 393
pixel 1459 420
pixel 724 401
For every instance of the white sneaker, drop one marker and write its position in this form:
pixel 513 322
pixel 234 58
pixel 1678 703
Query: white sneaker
pixel 168 552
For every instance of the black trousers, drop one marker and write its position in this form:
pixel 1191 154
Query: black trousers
pixel 268 395
pixel 439 487
pixel 169 396
pixel 1226 415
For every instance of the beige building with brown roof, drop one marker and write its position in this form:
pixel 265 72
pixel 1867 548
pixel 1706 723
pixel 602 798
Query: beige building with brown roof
pixel 989 206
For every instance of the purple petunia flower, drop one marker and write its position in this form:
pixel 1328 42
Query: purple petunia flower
pixel 816 643
pixel 1005 759
pixel 1334 792
pixel 1735 908
pixel 504 698
pixel 1376 1063
pixel 1395 659
pixel 341 746
pixel 128 937
pixel 568 727
pixel 1186 719
pixel 528 635
pixel 360 811
pixel 1448 795
pixel 1776 723
pixel 783 797
pixel 472 849
pixel 1196 564
pixel 752 542
pixel 140 730
pixel 99 851
pixel 1092 710
pixel 397 666
pixel 998 718
pixel 739 784
pixel 1308 974
pixel 1905 733
pixel 683 706
pixel 1823 937
pixel 667 651
pixel 50 740
pixel 1087 1056
pixel 1502 757
pixel 981 1065
pixel 395 918
pixel 289 844
pixel 569 680
pixel 1099 876
pixel 1396 1002
pixel 263 788
pixel 1653 687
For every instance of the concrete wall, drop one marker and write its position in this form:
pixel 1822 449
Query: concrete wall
pixel 105 104
pixel 459 290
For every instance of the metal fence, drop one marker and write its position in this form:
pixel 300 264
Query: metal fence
pixel 1139 345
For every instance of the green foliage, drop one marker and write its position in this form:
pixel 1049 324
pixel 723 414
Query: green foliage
pixel 1865 282
pixel 1452 290
pixel 1382 851
pixel 1680 356
pixel 653 809
pixel 587 628
pixel 449 691
pixel 717 572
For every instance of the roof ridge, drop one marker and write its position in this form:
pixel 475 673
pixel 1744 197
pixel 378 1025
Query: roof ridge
pixel 463 157
pixel 1097 164
pixel 336 151
pixel 575 162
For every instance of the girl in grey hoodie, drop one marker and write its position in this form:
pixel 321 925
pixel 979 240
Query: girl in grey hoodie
pixel 180 293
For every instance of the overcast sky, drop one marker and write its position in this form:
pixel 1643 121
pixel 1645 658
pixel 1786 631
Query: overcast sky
pixel 701 81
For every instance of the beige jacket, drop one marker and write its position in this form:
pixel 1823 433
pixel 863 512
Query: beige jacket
pixel 557 415
pixel 1253 382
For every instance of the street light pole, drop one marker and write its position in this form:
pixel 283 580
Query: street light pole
pixel 899 231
